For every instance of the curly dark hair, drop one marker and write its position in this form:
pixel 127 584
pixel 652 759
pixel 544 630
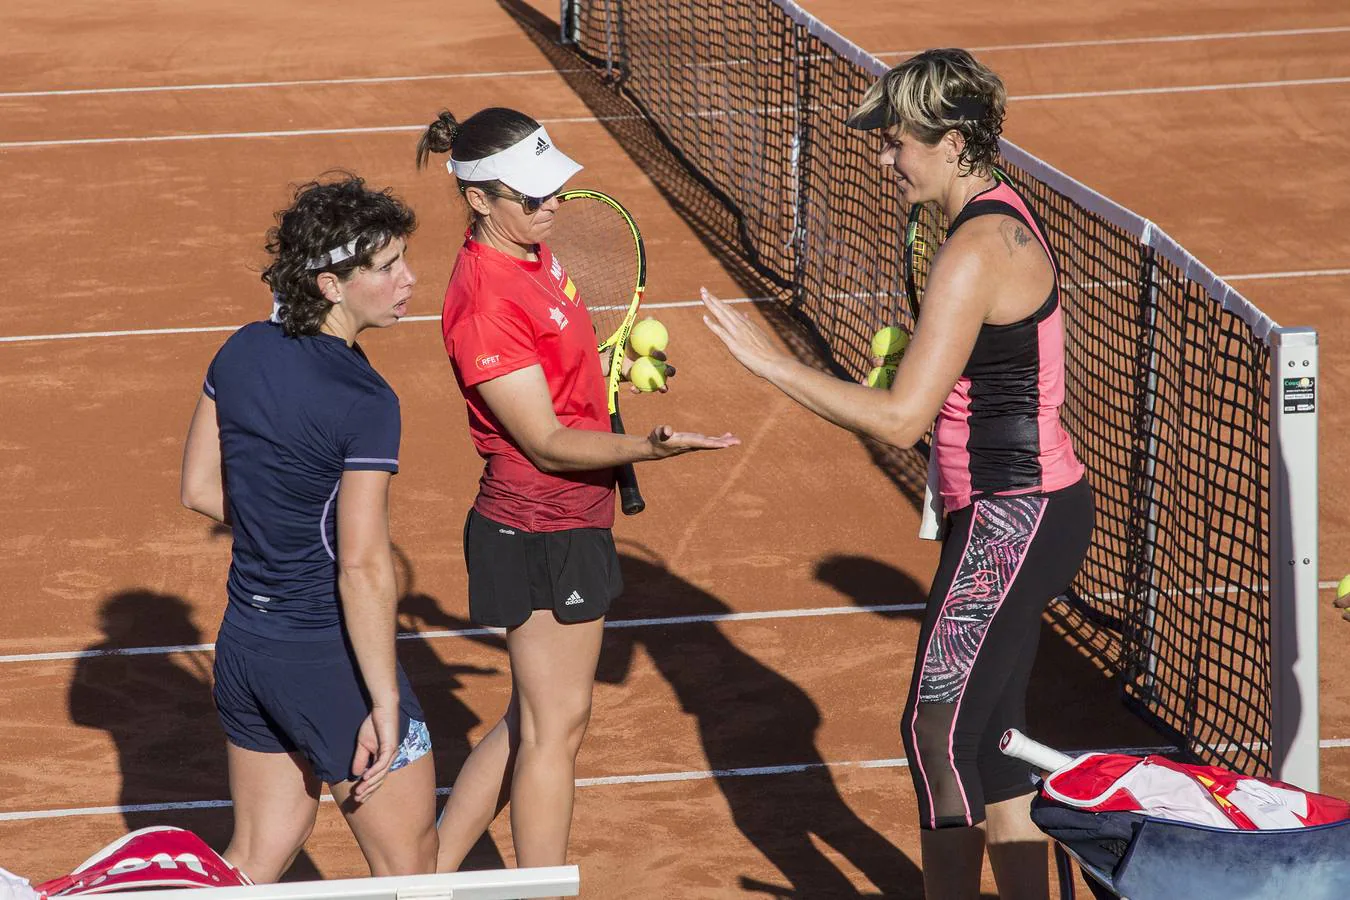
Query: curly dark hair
pixel 326 215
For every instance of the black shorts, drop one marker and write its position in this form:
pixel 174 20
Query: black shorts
pixel 513 572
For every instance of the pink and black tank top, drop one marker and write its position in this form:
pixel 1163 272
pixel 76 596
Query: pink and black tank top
pixel 998 432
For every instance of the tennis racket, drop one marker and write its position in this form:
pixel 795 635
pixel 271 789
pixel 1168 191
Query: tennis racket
pixel 917 262
pixel 918 255
pixel 917 258
pixel 598 243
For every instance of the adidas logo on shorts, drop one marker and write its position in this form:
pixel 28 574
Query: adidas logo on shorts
pixel 573 600
pixel 540 146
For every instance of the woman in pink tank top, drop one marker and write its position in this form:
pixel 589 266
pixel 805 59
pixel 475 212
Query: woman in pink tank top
pixel 986 362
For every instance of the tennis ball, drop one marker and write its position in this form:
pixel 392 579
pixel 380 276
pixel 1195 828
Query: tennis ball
pixel 881 377
pixel 889 343
pixel 648 374
pixel 648 336
pixel 1343 588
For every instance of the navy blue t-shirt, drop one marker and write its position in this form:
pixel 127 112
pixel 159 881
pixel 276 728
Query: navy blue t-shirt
pixel 294 414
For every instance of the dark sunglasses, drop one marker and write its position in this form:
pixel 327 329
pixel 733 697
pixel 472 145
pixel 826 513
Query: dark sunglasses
pixel 530 205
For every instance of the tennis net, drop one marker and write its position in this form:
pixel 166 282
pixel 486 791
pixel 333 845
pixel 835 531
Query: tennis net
pixel 1179 398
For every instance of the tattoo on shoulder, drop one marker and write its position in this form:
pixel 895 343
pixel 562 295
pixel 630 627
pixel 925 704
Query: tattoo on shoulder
pixel 1014 236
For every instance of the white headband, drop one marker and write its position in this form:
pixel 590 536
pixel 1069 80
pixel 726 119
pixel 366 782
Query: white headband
pixel 334 256
pixel 532 166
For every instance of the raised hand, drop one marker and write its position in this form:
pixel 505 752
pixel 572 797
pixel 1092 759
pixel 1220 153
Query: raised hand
pixel 746 340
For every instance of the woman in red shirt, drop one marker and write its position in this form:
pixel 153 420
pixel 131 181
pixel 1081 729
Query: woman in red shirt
pixel 537 542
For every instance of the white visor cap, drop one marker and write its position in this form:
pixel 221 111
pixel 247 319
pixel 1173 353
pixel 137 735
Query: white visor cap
pixel 532 166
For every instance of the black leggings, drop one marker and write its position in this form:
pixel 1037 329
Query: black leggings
pixel 1004 560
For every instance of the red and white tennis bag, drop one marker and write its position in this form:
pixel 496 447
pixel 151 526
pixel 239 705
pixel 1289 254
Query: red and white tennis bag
pixel 156 857
pixel 1205 795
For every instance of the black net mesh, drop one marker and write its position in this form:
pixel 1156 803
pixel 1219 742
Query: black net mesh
pixel 1167 391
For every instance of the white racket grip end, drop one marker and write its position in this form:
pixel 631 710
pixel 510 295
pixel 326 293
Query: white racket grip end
pixel 930 525
pixel 1017 745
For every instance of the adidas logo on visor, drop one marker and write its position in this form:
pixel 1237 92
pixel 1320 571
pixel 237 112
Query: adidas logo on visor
pixel 540 146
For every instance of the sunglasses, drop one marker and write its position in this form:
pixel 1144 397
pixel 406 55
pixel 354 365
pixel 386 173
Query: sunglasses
pixel 530 205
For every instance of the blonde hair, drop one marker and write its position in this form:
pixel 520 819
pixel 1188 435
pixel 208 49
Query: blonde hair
pixel 939 91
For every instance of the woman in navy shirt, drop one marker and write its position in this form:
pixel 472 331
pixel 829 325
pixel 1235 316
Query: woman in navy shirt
pixel 293 444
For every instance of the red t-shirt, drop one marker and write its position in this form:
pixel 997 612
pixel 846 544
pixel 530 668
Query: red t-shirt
pixel 503 314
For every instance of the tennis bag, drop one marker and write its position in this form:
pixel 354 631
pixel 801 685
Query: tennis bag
pixel 1160 829
pixel 156 857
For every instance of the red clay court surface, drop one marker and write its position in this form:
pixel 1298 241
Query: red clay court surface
pixel 753 756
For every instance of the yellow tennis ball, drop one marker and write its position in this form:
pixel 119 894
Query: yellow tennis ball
pixel 881 377
pixel 889 343
pixel 647 337
pixel 648 374
pixel 1343 588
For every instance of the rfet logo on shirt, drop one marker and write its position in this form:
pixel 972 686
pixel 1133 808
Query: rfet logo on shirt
pixel 487 360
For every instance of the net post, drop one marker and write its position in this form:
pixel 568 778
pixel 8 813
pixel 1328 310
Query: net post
pixel 1293 552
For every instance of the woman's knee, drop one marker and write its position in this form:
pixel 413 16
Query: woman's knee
pixel 928 734
pixel 265 854
pixel 412 856
pixel 556 725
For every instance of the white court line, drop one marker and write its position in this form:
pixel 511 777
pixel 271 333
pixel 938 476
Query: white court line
pixel 1185 89
pixel 585 120
pixel 1307 273
pixel 307 82
pixel 207 329
pixel 603 781
pixel 674 304
pixel 662 621
pixel 526 73
pixel 299 132
pixel 478 632
pixel 1159 39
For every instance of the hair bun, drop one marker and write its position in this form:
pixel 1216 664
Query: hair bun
pixel 439 137
pixel 441 134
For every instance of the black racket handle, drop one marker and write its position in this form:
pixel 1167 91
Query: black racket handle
pixel 630 498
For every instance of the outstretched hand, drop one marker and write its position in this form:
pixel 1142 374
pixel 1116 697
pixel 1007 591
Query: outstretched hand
pixel 666 441
pixel 746 340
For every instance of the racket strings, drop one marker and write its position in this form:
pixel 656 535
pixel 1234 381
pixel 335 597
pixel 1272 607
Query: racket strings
pixel 594 245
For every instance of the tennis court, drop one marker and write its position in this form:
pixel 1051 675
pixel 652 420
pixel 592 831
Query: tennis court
pixel 744 736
